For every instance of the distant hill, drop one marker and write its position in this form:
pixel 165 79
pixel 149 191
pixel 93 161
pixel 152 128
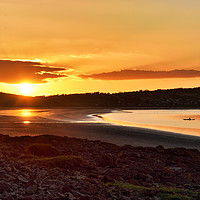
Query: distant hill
pixel 159 98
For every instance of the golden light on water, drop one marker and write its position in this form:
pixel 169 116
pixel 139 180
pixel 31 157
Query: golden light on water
pixel 26 89
pixel 26 113
pixel 26 122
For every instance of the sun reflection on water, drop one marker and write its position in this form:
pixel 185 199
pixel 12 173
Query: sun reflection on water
pixel 26 122
pixel 26 113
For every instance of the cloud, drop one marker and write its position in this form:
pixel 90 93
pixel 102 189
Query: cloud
pixel 143 74
pixel 15 71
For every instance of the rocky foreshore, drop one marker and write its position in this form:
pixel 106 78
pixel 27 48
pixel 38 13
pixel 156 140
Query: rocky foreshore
pixel 53 167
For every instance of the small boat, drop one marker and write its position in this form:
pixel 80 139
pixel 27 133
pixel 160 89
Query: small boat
pixel 189 119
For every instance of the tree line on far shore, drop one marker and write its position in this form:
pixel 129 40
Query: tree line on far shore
pixel 179 97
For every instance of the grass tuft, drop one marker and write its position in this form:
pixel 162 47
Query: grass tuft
pixel 165 196
pixel 68 161
pixel 165 193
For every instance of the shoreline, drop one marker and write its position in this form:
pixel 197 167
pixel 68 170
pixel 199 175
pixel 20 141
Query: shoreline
pixel 77 123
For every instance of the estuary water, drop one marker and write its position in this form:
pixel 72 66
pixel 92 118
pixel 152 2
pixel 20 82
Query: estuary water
pixel 178 121
pixel 162 120
pixel 121 127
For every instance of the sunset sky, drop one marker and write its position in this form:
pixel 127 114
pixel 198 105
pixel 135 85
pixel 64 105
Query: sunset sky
pixel 76 46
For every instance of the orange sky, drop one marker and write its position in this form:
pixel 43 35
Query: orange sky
pixel 70 46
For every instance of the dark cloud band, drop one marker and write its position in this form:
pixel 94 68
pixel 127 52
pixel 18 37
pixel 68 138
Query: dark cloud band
pixel 27 71
pixel 142 74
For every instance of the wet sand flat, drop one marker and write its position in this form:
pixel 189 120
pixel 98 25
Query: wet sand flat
pixel 119 135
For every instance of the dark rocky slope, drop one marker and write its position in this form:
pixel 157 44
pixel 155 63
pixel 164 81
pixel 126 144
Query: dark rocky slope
pixel 52 167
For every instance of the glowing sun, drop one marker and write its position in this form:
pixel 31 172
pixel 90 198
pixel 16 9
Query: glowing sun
pixel 26 88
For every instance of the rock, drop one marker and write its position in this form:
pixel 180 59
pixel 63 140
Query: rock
pixel 108 160
pixel 12 193
pixel 160 149
pixel 14 169
pixel 4 187
pixel 92 189
pixel 175 168
pixel 31 189
pixel 63 196
pixel 156 198
pixel 9 177
pixel 107 178
pixel 85 197
pixel 22 179
pixel 40 149
pixel 53 187
pixel 71 196
pixel 66 188
pixel 42 192
pixel 125 198
pixel 144 177
pixel 9 169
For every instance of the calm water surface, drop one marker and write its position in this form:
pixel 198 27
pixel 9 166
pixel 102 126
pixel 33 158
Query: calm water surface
pixel 166 120
pixel 47 116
